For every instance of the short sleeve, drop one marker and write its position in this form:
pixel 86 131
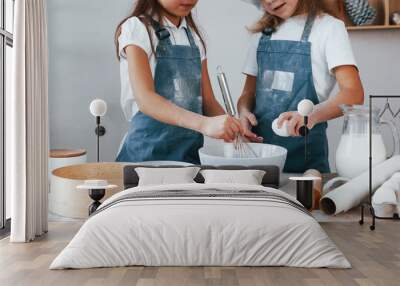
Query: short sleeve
pixel 134 32
pixel 251 65
pixel 338 50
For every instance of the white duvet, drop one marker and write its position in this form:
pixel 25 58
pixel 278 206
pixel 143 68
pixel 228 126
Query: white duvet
pixel 200 232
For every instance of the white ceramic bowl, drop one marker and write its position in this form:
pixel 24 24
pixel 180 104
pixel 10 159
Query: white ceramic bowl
pixel 223 154
pixel 163 163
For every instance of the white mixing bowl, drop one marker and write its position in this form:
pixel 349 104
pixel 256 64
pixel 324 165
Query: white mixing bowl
pixel 163 163
pixel 222 155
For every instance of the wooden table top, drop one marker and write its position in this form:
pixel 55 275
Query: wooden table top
pixel 66 153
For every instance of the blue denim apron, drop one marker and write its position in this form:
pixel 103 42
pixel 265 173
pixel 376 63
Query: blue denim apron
pixel 284 79
pixel 178 79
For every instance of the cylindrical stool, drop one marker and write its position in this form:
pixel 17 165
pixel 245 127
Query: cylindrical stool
pixel 61 158
pixel 64 157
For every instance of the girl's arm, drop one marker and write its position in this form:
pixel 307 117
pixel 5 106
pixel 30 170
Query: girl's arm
pixel 245 108
pixel 211 106
pixel 159 108
pixel 247 99
pixel 351 93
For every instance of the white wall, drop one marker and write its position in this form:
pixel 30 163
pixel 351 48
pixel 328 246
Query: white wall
pixel 83 65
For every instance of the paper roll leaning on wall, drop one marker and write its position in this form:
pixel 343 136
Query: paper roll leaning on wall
pixel 352 193
pixel 386 200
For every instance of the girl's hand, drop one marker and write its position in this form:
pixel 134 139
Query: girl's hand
pixel 221 127
pixel 248 120
pixel 295 122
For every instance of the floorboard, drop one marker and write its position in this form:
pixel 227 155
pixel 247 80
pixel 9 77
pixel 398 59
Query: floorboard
pixel 375 257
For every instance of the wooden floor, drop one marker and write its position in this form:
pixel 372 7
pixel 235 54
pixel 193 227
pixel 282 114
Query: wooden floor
pixel 375 257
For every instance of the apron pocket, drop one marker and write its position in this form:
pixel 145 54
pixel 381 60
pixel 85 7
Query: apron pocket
pixel 283 81
pixel 277 80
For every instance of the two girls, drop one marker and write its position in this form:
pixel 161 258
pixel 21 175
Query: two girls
pixel 166 90
pixel 298 52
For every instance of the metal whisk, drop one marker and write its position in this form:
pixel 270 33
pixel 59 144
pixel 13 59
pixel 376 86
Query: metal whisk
pixel 241 146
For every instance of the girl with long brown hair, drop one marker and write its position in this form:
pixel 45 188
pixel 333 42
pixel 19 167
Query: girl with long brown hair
pixel 297 52
pixel 166 90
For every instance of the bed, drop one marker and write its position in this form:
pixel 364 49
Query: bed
pixel 198 224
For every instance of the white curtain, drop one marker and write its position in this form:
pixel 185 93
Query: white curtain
pixel 27 123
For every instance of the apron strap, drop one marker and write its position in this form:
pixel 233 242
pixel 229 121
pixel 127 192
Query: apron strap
pixel 308 27
pixel 162 34
pixel 267 33
pixel 190 37
pixel 266 37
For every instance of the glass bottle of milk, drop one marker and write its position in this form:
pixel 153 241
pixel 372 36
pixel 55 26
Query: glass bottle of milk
pixel 352 155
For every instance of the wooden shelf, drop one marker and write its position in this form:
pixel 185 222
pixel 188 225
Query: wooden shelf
pixel 373 27
pixel 384 8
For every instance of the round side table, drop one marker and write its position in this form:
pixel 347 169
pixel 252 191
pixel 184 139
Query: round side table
pixel 304 190
pixel 66 201
pixel 97 190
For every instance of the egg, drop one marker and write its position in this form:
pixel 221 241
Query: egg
pixel 283 131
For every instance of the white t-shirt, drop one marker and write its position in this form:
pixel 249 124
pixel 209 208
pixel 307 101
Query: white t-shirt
pixel 330 48
pixel 134 32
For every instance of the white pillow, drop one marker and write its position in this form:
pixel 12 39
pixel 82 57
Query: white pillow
pixel 245 177
pixel 166 176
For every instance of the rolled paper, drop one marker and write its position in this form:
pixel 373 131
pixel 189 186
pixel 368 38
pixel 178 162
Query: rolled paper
pixel 386 194
pixel 352 193
pixel 317 187
pixel 387 198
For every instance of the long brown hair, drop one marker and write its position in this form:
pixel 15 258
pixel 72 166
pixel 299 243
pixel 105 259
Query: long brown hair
pixel 152 8
pixel 315 7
